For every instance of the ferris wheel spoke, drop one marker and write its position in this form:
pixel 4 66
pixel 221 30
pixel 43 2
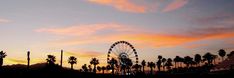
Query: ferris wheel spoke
pixel 128 49
pixel 125 48
pixel 116 50
pixel 122 47
pixel 119 48
pixel 115 57
pixel 131 53
pixel 115 53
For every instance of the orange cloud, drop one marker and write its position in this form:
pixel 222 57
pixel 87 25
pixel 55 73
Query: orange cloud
pixel 122 5
pixel 174 5
pixel 88 34
pixel 84 30
pixel 4 21
pixel 154 40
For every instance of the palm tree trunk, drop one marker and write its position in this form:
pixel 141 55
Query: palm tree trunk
pixel 112 67
pixel 181 64
pixel 143 69
pixel 222 58
pixel 214 62
pixel 94 69
pixel 1 62
pixel 151 70
pixel 124 72
pixel 71 66
pixel 103 71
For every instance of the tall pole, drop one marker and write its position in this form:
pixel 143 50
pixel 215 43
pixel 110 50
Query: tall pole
pixel 28 54
pixel 61 61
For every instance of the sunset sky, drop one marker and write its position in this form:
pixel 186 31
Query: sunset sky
pixel 87 28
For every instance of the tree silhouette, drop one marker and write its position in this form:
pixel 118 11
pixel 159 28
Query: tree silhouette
pixel 208 57
pixel 90 68
pixel 176 60
pixel 230 54
pixel 128 64
pixel 94 62
pixel 136 67
pixel 222 53
pixel 85 68
pixel 99 68
pixel 28 59
pixel 2 55
pixel 181 60
pixel 169 63
pixel 72 60
pixel 151 65
pixel 113 62
pixel 197 59
pixel 159 62
pixel 164 61
pixel 143 65
pixel 103 69
pixel 188 60
pixel 214 57
pixel 108 67
pixel 51 59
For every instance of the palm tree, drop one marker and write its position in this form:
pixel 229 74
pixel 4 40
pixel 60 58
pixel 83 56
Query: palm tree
pixel 208 57
pixel 99 68
pixel 159 57
pixel 90 68
pixel 103 69
pixel 28 59
pixel 85 68
pixel 159 64
pixel 51 59
pixel 113 62
pixel 230 54
pixel 2 55
pixel 143 65
pixel 181 60
pixel 128 64
pixel 136 67
pixel 94 62
pixel 188 60
pixel 169 63
pixel 222 53
pixel 214 57
pixel 164 61
pixel 108 67
pixel 176 60
pixel 151 65
pixel 197 59
pixel 72 60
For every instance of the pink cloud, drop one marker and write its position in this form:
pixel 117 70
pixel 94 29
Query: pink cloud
pixel 122 5
pixel 4 20
pixel 174 5
pixel 84 30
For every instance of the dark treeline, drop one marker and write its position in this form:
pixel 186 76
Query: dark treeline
pixel 177 67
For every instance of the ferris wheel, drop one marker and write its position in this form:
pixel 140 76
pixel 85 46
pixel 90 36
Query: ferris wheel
pixel 122 50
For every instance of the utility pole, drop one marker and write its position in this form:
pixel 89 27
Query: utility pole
pixel 28 54
pixel 61 61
